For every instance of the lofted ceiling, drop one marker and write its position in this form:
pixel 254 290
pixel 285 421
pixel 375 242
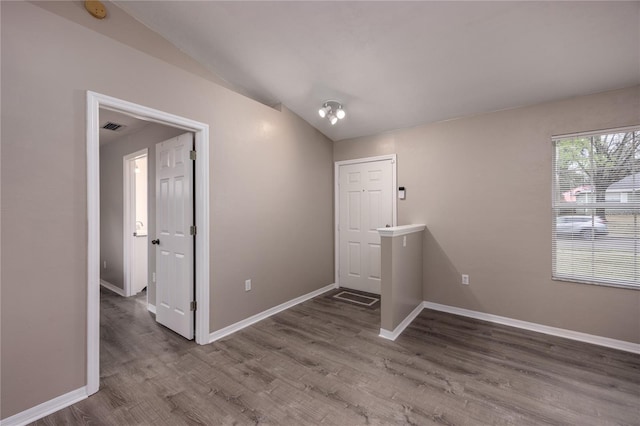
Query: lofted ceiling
pixel 396 64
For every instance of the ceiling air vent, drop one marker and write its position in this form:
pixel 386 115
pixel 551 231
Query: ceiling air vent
pixel 112 126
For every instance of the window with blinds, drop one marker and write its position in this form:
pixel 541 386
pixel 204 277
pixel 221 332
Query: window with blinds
pixel 596 208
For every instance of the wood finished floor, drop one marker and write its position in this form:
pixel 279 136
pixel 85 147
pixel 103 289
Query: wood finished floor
pixel 322 362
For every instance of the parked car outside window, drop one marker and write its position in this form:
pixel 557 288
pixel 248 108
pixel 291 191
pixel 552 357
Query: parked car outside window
pixel 587 227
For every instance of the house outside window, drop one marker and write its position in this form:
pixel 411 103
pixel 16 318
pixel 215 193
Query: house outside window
pixel 596 208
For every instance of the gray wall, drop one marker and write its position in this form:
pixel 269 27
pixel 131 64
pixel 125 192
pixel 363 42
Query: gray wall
pixel 401 278
pixel 271 192
pixel 112 200
pixel 482 185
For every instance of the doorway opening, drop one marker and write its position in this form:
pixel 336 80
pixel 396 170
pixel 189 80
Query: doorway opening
pixel 96 102
pixel 135 222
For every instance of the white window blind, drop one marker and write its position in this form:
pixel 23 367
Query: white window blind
pixel 596 208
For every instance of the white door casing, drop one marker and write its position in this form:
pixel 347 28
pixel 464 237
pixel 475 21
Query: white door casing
pixel 174 218
pixel 365 202
pixel 96 101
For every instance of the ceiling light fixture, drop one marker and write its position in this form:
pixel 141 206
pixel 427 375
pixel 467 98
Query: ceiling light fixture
pixel 333 111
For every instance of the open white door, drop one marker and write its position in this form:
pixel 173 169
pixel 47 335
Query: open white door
pixel 174 240
pixel 366 196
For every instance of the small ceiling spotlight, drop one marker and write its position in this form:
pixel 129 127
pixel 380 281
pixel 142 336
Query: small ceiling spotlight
pixel 333 111
pixel 324 110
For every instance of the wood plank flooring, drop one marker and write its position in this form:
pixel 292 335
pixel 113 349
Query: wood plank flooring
pixel 322 362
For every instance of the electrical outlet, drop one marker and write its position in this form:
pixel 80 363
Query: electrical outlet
pixel 247 285
pixel 105 264
pixel 153 277
pixel 404 241
pixel 465 279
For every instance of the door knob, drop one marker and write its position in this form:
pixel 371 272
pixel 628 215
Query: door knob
pixel 156 242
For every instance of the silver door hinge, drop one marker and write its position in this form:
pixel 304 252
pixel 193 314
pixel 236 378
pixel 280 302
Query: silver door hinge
pixel 194 305
pixel 193 229
pixel 192 155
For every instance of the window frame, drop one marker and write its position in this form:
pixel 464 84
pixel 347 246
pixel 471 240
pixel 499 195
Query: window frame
pixel 585 205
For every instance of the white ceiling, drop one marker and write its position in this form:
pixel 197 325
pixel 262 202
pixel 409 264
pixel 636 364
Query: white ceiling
pixel 400 64
pixel 130 125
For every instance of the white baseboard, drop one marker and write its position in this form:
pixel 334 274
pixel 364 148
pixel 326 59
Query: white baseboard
pixel 113 288
pixel 393 335
pixel 223 332
pixel 151 308
pixel 46 408
pixel 545 329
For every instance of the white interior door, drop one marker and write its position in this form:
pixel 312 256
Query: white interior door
pixel 365 204
pixel 174 242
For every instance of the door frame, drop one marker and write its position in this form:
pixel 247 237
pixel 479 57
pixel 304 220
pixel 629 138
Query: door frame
pixel 127 211
pixel 336 197
pixel 95 101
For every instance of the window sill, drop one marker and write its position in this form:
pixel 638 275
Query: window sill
pixel 575 281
